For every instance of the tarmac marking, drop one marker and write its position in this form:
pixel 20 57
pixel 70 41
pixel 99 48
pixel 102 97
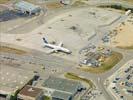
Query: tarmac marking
pixel 9 29
pixel 15 26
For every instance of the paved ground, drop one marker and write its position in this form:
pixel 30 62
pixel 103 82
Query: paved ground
pixel 59 29
pixel 40 59
pixel 117 83
pixel 56 63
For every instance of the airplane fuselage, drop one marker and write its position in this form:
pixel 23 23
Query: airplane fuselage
pixel 58 48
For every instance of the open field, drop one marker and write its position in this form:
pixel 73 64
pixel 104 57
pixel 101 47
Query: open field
pixel 76 77
pixel 106 65
pixel 124 37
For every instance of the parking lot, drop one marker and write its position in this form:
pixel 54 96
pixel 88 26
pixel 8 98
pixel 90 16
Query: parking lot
pixel 122 82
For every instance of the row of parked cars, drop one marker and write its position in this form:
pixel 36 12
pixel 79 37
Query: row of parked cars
pixel 124 83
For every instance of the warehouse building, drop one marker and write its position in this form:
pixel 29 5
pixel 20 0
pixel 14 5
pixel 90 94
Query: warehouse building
pixel 27 8
pixel 61 89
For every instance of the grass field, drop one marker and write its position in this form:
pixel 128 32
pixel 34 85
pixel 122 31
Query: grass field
pixel 76 77
pixel 78 3
pixel 11 50
pixel 106 65
pixel 47 98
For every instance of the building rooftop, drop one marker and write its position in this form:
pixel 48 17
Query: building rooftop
pixel 25 6
pixel 61 84
pixel 12 78
pixel 30 91
pixel 61 95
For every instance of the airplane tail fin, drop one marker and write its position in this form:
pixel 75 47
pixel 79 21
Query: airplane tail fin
pixel 60 44
pixel 45 41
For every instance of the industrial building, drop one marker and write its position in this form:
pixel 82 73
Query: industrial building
pixel 61 89
pixel 27 8
pixel 30 93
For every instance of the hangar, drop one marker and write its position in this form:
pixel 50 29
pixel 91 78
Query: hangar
pixel 27 8
pixel 61 89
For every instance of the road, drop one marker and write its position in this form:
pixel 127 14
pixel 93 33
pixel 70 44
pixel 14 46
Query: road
pixel 39 58
pixel 50 62
pixel 62 66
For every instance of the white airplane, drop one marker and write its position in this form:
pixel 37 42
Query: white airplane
pixel 55 48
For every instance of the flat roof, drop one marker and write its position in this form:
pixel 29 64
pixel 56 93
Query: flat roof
pixel 60 84
pixel 30 91
pixel 61 95
pixel 26 5
pixel 13 78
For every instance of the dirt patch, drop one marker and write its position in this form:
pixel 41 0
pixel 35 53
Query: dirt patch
pixel 53 5
pixel 12 50
pixel 126 47
pixel 124 37
pixel 4 1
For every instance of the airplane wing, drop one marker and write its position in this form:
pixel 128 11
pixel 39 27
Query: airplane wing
pixel 52 51
pixel 60 44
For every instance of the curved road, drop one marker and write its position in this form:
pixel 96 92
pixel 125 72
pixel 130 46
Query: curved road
pixel 40 58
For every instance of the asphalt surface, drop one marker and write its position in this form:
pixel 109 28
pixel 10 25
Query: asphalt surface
pixel 52 62
pixel 63 65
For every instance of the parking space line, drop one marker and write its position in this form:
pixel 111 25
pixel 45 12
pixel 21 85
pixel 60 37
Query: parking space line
pixel 15 26
pixel 9 29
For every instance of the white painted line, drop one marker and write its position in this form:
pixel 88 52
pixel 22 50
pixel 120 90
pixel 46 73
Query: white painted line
pixel 31 19
pixel 9 29
pixel 15 26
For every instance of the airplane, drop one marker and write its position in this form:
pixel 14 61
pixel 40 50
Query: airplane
pixel 56 48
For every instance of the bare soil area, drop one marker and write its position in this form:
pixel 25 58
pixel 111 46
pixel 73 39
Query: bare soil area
pixel 11 50
pixel 124 37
